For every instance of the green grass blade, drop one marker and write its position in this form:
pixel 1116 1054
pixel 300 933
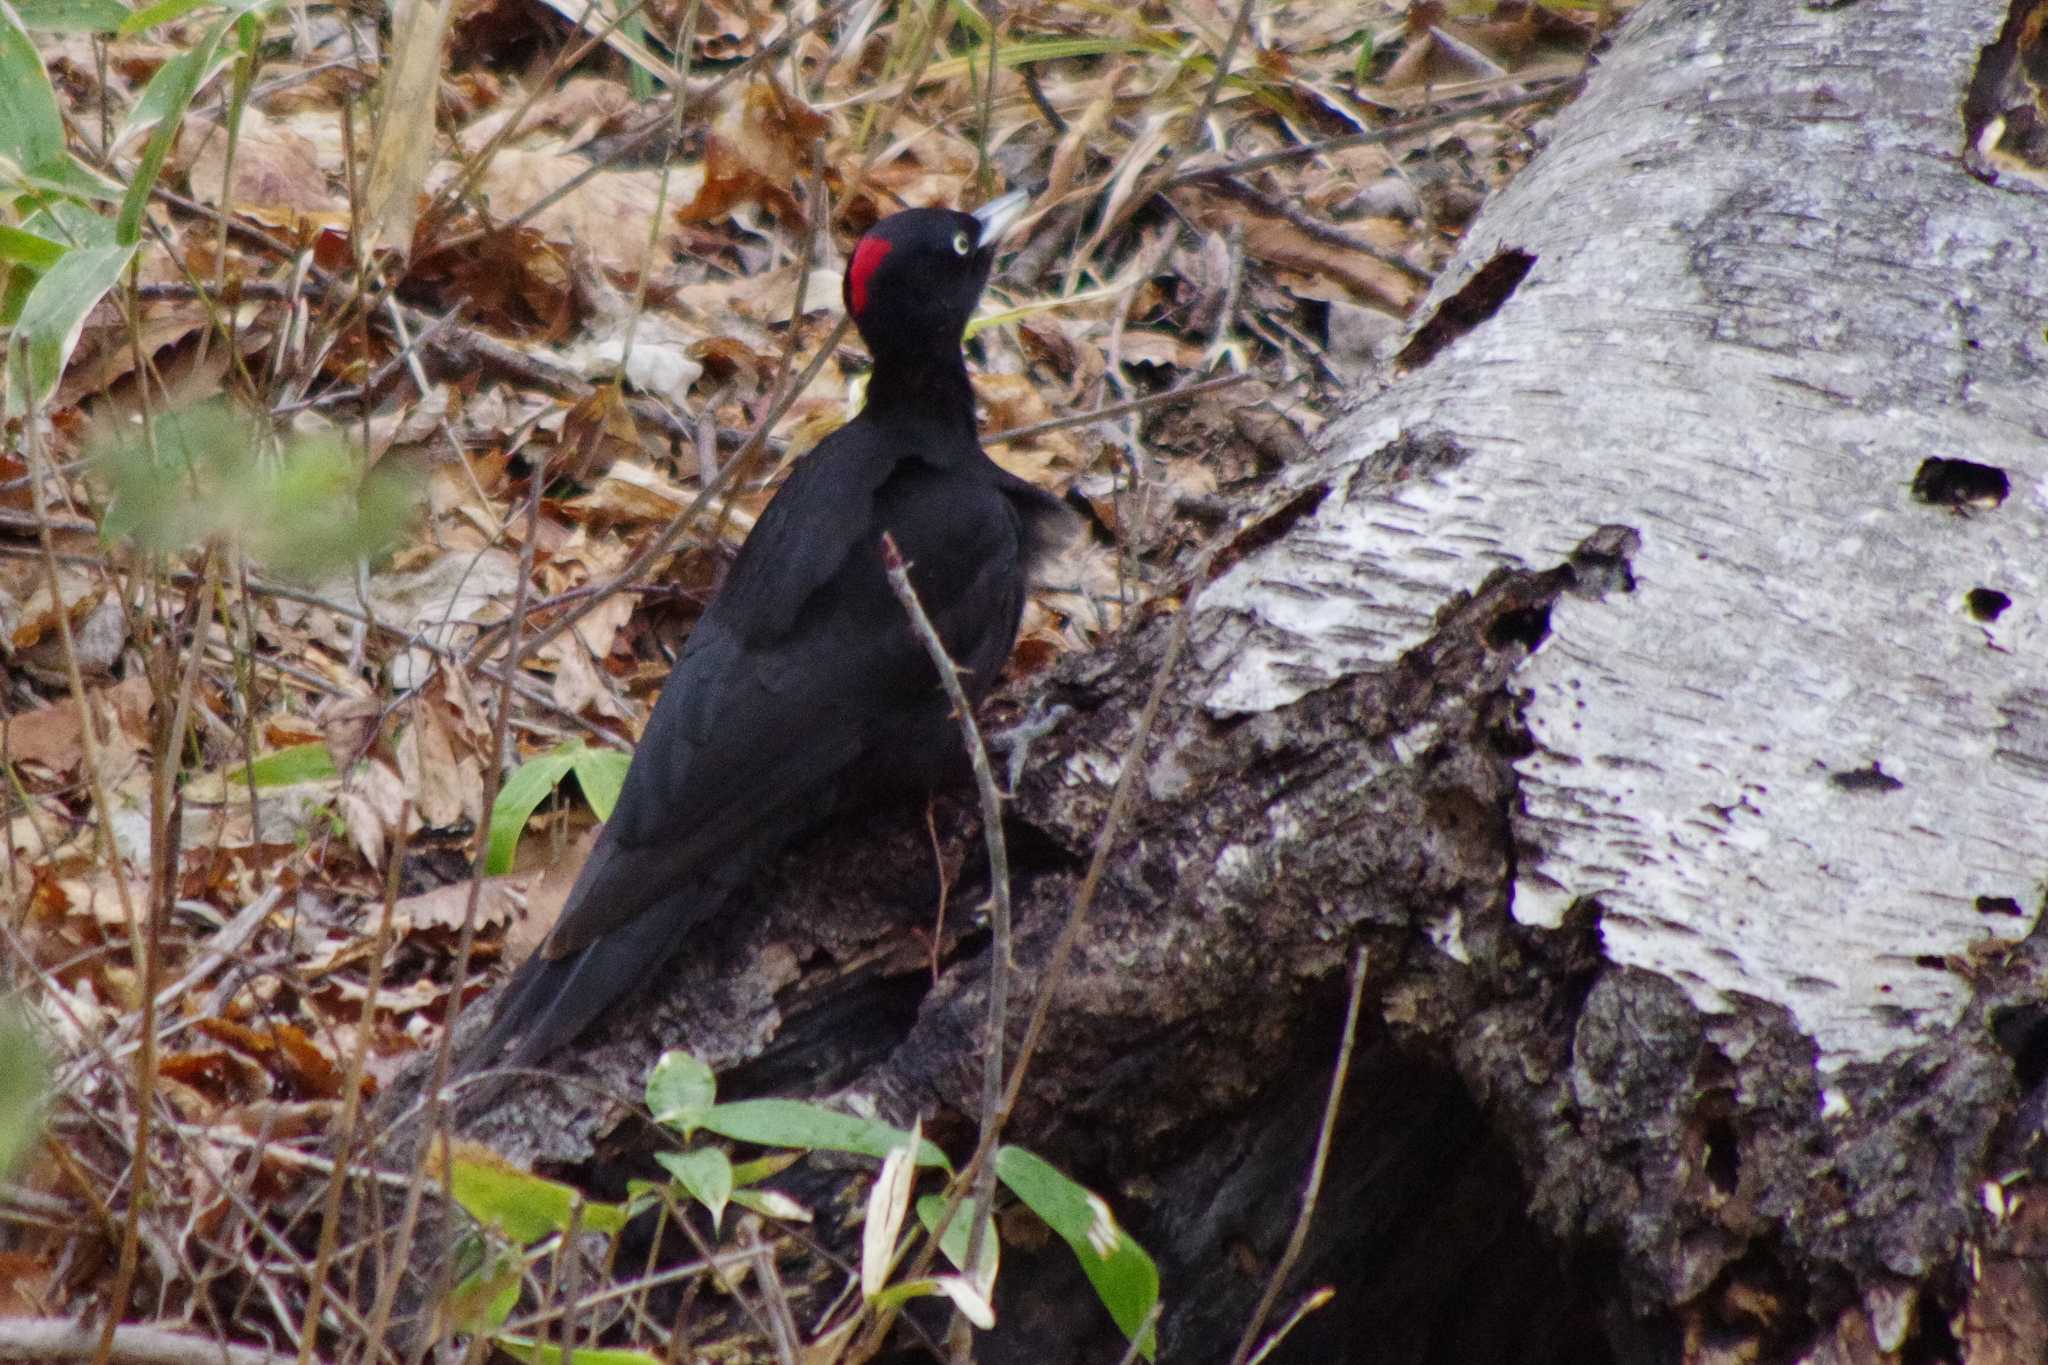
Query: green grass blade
pixel 31 125
pixel 52 317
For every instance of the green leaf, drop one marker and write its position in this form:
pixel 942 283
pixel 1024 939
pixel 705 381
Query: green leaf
pixel 772 1204
pixel 601 773
pixel 161 109
pixel 52 317
pixel 520 797
pixel 71 16
pixel 813 1127
pixel 161 13
pixel 1361 70
pixel 763 1167
pixel 706 1173
pixel 24 1083
pixel 485 1297
pixel 26 248
pixel 1124 1277
pixel 203 473
pixel 309 762
pixel 954 1243
pixel 70 224
pixel 527 1349
pixel 31 125
pixel 971 18
pixel 523 1205
pixel 680 1089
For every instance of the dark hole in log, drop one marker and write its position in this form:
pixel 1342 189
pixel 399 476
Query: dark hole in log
pixel 1932 1340
pixel 1524 626
pixel 2023 1032
pixel 1999 905
pixel 1490 287
pixel 1942 482
pixel 1724 1155
pixel 1871 779
pixel 1986 604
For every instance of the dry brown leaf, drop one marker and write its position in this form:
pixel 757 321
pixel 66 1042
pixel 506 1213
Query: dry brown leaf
pixel 283 1049
pixel 660 360
pixel 349 726
pixel 28 1288
pixel 411 421
pixel 391 998
pixel 630 492
pixel 372 804
pixel 577 111
pixel 52 735
pixel 1012 400
pixel 444 774
pixel 759 146
pixel 28 608
pixel 1149 346
pixel 1324 265
pixel 611 215
pixel 441 601
pixel 544 901
pixel 277 178
pixel 499 901
pixel 764 297
pixel 597 431
pixel 575 654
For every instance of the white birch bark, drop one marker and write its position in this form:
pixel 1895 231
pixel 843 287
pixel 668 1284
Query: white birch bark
pixel 1798 762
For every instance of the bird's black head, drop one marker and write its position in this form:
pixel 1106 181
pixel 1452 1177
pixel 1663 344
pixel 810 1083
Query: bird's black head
pixel 914 278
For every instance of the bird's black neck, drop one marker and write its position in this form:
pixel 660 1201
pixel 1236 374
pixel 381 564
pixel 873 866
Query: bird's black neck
pixel 927 390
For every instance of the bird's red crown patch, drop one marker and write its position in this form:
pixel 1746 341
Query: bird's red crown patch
pixel 866 257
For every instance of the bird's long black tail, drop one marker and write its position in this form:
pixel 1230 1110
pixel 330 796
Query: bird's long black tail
pixel 549 1002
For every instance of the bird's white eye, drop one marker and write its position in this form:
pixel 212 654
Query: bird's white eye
pixel 961 244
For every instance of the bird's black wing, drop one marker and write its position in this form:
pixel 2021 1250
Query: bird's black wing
pixel 753 719
pixel 803 668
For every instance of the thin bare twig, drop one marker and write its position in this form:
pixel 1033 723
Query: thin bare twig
pixel 352 1098
pixel 1195 390
pixel 1309 1304
pixel 999 884
pixel 49 1339
pixel 1237 31
pixel 1048 980
pixel 1394 132
pixel 1138 1338
pixel 1299 1237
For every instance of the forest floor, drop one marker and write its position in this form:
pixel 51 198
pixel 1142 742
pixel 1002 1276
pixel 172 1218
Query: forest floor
pixel 414 415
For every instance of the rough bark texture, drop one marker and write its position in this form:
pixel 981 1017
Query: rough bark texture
pixel 1611 683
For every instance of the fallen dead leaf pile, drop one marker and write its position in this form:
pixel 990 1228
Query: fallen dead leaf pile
pixel 597 306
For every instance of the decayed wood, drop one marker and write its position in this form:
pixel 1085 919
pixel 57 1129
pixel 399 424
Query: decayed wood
pixel 1610 683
